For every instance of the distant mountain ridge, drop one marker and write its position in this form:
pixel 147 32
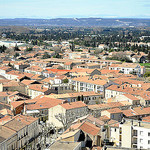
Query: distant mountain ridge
pixel 102 22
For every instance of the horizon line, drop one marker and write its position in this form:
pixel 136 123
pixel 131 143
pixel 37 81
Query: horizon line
pixel 78 18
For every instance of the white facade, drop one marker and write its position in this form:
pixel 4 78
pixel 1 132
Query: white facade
pixel 143 137
pixel 10 43
pixel 111 93
pixel 83 87
pixel 128 70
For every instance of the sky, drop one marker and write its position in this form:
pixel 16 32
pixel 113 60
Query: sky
pixel 48 9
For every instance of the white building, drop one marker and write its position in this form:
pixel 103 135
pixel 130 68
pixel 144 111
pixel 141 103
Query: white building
pixel 128 68
pixel 134 134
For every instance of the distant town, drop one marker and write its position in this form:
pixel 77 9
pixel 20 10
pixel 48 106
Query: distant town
pixel 74 88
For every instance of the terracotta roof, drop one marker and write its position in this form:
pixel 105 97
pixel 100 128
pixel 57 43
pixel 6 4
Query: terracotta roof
pixel 67 63
pixel 5 119
pixel 97 121
pixel 44 103
pixel 5 93
pixel 146 119
pixel 75 94
pixel 113 123
pixel 27 82
pixel 57 70
pixel 105 106
pixel 12 84
pixel 129 113
pixel 131 97
pixel 125 65
pixel 6 112
pixel 92 81
pixel 114 110
pixel 73 105
pixel 104 118
pixel 38 87
pixel 90 128
pixel 6 132
pixel 137 111
pixel 18 122
pixel 17 103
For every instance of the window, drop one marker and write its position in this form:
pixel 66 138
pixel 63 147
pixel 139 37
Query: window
pixel 148 141
pixel 148 133
pixel 141 140
pixel 115 129
pixel 112 116
pixel 141 146
pixel 141 132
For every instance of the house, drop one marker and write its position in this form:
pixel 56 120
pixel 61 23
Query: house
pixel 92 134
pixel 8 138
pixel 68 65
pixel 82 84
pixel 17 96
pixel 35 90
pixel 34 70
pixel 138 137
pixel 96 109
pixel 138 59
pixel 26 129
pixel 113 131
pixel 127 97
pixel 88 97
pixel 136 113
pixel 40 106
pixel 20 65
pixel 70 111
pixel 4 96
pixel 12 86
pixel 128 68
pixel 4 70
pixel 85 133
pixel 89 66
pixel 115 114
pixel 17 107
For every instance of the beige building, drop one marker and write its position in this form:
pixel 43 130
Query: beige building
pixel 115 114
pixel 127 97
pixel 25 127
pixel 66 113
pixel 8 138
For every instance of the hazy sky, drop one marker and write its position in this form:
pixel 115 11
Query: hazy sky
pixel 74 8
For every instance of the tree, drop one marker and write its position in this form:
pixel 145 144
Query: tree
pixel 65 119
pixel 2 48
pixel 78 98
pixel 147 74
pixel 65 80
pixel 45 131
